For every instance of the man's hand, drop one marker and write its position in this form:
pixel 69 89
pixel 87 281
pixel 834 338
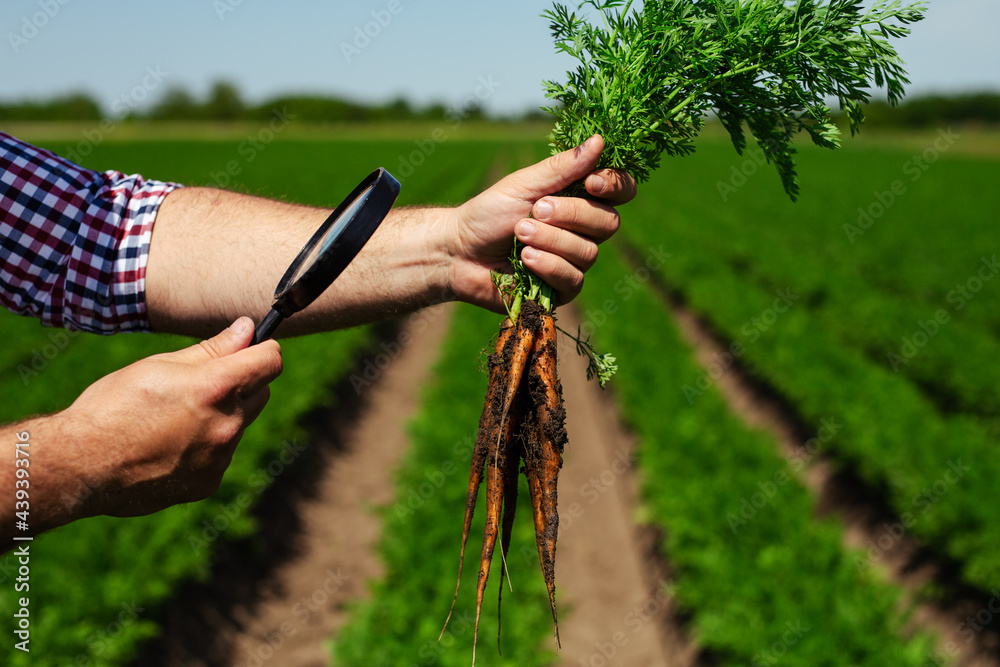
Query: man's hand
pixel 158 432
pixel 561 237
pixel 168 425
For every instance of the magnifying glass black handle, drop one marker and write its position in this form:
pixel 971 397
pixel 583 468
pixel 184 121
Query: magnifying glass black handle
pixel 267 326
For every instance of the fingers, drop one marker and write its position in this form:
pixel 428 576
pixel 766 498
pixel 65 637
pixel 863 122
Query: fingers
pixel 562 240
pixel 235 366
pixel 555 173
pixel 594 220
pixel 235 414
pixel 611 185
pixel 233 339
pixel 208 463
pixel 248 370
pixel 565 278
pixel 575 249
pixel 236 382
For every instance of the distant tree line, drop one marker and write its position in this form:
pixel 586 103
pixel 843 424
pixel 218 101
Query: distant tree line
pixel 937 111
pixel 224 103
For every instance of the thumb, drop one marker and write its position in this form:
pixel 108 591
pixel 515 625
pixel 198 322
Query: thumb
pixel 233 339
pixel 555 173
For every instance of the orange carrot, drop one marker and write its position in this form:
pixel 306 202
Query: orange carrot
pixel 497 461
pixel 524 342
pixel 486 435
pixel 495 472
pixel 546 393
pixel 510 478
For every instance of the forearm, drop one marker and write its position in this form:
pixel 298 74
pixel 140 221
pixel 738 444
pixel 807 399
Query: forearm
pixel 216 255
pixel 44 475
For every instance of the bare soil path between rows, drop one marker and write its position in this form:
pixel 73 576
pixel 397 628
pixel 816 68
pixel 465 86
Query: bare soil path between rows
pixel 302 603
pixel 612 585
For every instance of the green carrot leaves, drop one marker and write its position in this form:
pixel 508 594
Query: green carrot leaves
pixel 648 78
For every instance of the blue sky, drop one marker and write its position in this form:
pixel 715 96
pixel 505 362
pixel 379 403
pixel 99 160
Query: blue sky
pixel 426 50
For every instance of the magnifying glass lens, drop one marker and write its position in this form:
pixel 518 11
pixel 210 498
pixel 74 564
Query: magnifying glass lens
pixel 332 234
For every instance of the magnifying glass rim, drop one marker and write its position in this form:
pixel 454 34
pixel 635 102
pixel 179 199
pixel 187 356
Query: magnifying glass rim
pixel 288 292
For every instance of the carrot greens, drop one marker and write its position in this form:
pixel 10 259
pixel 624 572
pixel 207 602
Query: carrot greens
pixel 647 79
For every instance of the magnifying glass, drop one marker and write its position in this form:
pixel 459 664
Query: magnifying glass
pixel 334 245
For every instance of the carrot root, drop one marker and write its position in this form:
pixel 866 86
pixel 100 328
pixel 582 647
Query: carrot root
pixel 487 426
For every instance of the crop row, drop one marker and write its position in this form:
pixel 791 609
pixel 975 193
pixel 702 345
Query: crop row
pixel 422 529
pixel 804 309
pixel 895 261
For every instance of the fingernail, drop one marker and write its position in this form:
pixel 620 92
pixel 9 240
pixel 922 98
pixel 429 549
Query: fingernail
pixel 529 253
pixel 543 209
pixel 239 326
pixel 584 146
pixel 598 184
pixel 525 228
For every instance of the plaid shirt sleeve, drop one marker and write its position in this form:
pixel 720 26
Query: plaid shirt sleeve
pixel 74 242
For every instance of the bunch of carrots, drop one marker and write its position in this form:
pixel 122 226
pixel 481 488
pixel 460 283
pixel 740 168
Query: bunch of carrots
pixel 523 426
pixel 646 80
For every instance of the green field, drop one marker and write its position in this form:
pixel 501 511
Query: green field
pixel 869 304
